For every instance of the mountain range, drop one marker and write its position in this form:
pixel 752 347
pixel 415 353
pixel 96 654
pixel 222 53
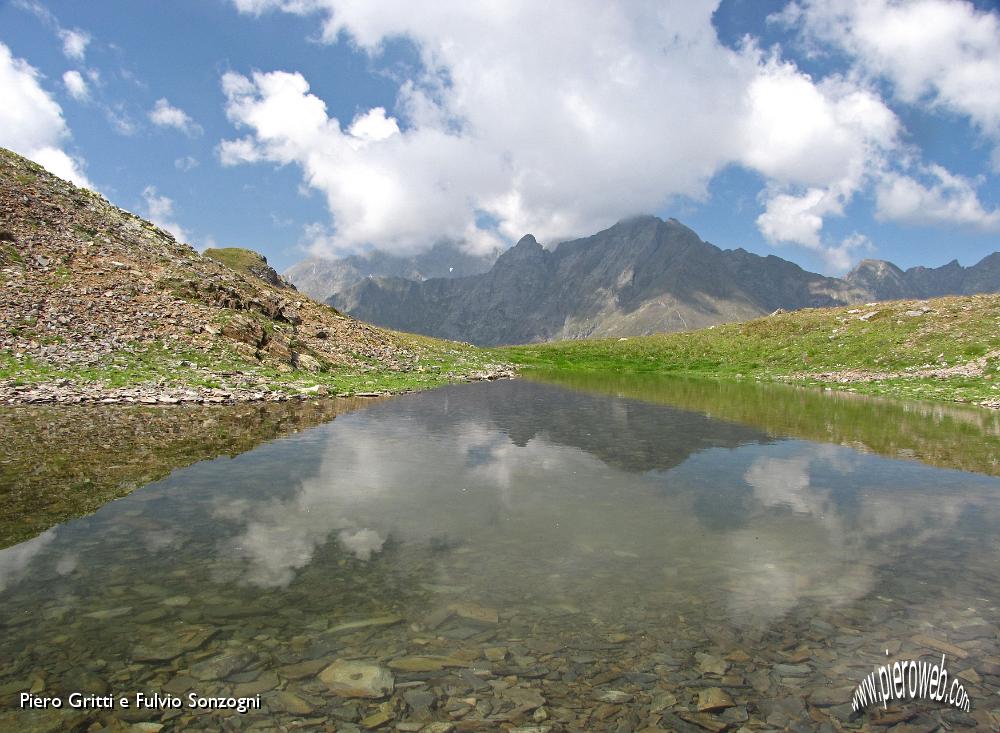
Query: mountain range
pixel 884 281
pixel 321 278
pixel 643 275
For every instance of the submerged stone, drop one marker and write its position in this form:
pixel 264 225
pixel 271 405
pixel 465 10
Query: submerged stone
pixel 709 664
pixel 289 702
pixel 524 697
pixel 357 679
pixel 266 681
pixel 705 721
pixel 661 701
pixel 439 727
pixel 376 720
pixel 475 612
pixel 425 663
pixel 223 665
pixel 164 647
pixel 713 699
pixel 793 670
pixel 419 699
pixel 435 618
pixel 615 697
pixel 829 696
pixel 365 623
pixel 495 653
pixel 301 670
pixel 939 645
pixel 109 613
pixel 180 684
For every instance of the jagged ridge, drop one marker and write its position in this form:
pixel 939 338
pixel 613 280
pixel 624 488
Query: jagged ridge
pixel 321 278
pixel 639 277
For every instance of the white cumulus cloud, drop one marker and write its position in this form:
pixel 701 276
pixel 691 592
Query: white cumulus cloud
pixel 942 52
pixel 120 120
pixel 31 121
pixel 556 120
pixel 74 43
pixel 945 199
pixel 186 163
pixel 74 40
pixel 819 144
pixel 559 119
pixel 165 114
pixel 76 85
pixel 798 218
pixel 803 132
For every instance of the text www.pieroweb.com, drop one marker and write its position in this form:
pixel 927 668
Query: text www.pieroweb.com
pixel 910 680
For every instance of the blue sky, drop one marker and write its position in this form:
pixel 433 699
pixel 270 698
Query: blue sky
pixel 823 132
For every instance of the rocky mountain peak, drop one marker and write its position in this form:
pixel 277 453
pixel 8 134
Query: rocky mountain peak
pixel 638 220
pixel 874 266
pixel 322 278
pixel 880 278
pixel 526 250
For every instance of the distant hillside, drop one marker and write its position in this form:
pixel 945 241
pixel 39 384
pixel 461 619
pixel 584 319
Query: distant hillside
pixel 641 276
pixel 95 301
pixel 944 348
pixel 884 281
pixel 321 278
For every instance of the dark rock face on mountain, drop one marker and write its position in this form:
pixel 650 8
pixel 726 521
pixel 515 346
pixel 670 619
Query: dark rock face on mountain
pixel 321 278
pixel 641 276
pixel 884 281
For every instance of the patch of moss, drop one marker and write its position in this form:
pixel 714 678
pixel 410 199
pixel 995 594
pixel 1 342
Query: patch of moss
pixel 9 254
pixel 84 231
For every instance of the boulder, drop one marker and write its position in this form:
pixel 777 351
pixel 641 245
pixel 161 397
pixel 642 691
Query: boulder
pixel 357 679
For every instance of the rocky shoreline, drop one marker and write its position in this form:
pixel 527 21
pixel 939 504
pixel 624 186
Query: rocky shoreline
pixel 69 392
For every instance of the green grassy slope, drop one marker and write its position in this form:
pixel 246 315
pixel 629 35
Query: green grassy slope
pixel 942 348
pixel 237 258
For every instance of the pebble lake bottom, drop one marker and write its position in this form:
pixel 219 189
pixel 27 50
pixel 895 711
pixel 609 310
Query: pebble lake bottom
pixel 515 556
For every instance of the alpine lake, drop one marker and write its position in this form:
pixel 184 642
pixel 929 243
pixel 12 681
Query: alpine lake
pixel 589 553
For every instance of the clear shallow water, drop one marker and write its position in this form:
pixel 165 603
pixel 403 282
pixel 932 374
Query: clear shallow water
pixel 602 559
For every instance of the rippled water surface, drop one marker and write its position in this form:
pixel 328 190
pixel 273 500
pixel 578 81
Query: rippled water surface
pixel 527 554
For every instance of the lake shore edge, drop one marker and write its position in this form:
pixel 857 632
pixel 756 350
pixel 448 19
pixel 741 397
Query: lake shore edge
pixel 66 391
pixel 939 349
